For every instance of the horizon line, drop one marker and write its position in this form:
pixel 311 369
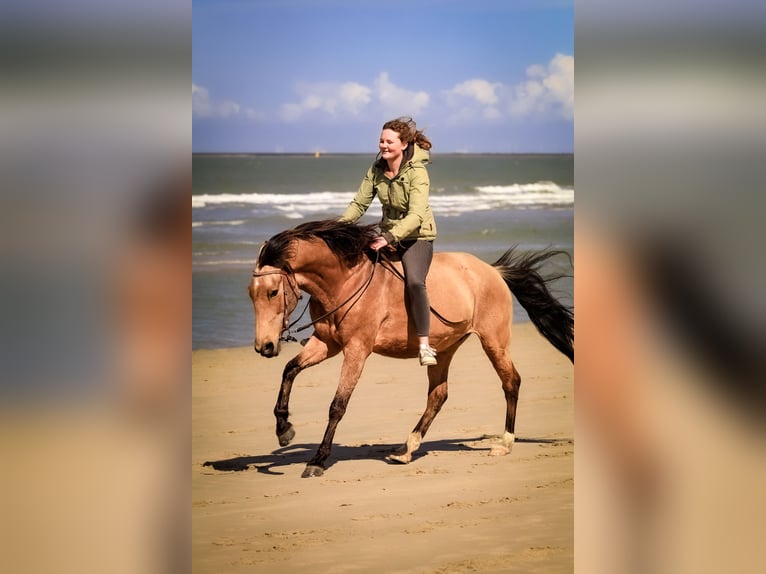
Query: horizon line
pixel 320 153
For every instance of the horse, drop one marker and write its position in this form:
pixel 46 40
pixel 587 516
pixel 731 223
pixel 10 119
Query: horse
pixel 357 306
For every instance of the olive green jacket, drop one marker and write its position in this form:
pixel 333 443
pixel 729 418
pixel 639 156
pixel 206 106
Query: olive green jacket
pixel 406 211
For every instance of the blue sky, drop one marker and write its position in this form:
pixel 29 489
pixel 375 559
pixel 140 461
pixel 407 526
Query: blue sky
pixel 302 76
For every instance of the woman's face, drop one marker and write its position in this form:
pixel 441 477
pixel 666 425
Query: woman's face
pixel 390 145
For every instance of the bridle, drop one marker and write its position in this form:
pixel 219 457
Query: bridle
pixel 286 325
pixel 290 277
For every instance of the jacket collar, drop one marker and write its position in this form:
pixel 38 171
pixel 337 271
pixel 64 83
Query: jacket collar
pixel 417 155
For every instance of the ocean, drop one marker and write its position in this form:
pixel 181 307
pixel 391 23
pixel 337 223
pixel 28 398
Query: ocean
pixel 483 204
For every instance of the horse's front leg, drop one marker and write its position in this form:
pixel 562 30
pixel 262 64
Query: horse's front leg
pixel 353 363
pixel 312 354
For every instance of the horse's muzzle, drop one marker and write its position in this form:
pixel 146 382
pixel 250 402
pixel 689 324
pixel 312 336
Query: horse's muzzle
pixel 267 349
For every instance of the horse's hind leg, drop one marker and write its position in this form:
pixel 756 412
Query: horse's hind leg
pixel 312 354
pixel 511 382
pixel 437 395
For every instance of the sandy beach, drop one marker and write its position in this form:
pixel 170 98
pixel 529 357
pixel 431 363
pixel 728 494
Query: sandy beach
pixel 452 509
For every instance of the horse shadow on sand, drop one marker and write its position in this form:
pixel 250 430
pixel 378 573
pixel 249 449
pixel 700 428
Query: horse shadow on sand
pixel 297 454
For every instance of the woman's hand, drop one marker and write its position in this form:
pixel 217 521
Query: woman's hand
pixel 378 243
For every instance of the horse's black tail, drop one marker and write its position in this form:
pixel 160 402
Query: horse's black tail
pixel 521 273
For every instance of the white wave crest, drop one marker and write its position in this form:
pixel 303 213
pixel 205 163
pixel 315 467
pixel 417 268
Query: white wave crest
pixel 541 193
pixel 319 198
pixel 486 197
pixel 217 223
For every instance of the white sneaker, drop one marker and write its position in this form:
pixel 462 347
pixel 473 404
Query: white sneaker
pixel 427 356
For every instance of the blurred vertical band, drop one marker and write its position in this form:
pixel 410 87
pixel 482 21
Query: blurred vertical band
pixel 671 371
pixel 95 303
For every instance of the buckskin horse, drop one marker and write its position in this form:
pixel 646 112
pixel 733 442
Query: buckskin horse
pixel 357 306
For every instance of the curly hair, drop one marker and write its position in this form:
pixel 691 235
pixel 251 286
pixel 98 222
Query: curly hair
pixel 408 131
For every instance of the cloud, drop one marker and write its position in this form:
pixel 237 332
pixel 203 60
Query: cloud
pixel 473 99
pixel 481 91
pixel 547 92
pixel 346 99
pixel 397 100
pixel 332 99
pixel 203 106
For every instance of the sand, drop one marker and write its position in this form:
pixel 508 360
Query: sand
pixel 452 509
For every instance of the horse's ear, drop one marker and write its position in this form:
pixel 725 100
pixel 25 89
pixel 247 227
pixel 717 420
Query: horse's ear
pixel 258 257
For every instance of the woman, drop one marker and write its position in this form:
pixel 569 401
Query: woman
pixel 400 180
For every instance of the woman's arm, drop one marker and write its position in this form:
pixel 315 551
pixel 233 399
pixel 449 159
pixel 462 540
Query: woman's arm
pixel 420 185
pixel 362 199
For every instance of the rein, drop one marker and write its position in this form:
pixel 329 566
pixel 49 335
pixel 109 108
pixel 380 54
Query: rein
pixel 287 326
pixel 389 266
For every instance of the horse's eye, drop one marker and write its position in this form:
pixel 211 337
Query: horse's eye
pixel 273 293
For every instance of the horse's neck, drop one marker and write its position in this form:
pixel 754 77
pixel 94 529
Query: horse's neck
pixel 323 277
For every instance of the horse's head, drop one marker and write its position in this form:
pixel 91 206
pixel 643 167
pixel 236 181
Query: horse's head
pixel 275 295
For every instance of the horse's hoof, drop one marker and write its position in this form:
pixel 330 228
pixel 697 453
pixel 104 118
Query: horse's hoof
pixel 286 437
pixel 312 470
pixel 403 458
pixel 400 450
pixel 499 450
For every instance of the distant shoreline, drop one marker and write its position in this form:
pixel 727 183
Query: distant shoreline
pixel 339 154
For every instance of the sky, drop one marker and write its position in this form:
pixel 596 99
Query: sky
pixel 293 76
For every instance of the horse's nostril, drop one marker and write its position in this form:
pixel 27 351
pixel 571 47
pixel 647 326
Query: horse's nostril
pixel 268 349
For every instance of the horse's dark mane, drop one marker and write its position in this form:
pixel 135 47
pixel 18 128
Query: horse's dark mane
pixel 346 240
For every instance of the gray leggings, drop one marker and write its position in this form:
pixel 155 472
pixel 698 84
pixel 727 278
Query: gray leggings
pixel 416 260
